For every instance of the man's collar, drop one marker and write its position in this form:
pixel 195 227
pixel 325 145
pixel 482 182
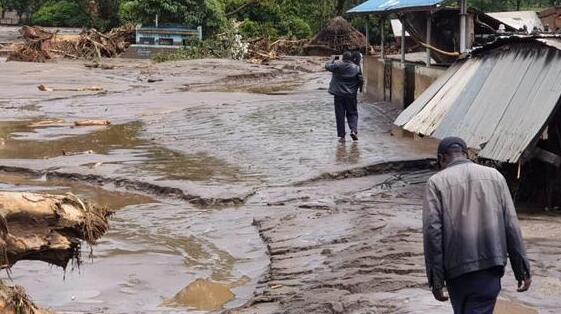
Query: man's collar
pixel 459 162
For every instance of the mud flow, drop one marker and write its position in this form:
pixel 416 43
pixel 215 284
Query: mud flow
pixel 231 192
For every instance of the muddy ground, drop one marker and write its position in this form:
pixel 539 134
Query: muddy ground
pixel 232 192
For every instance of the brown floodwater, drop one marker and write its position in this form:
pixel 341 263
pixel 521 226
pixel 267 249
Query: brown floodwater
pixel 507 307
pixel 154 247
pixel 202 295
pixel 103 197
pixel 48 139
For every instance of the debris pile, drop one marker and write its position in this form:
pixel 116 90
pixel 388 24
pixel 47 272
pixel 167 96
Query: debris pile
pixel 261 50
pixel 41 45
pixel 14 300
pixel 47 227
pixel 337 37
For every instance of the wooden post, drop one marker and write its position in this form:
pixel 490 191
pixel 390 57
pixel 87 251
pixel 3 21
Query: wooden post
pixel 463 26
pixel 402 43
pixel 382 20
pixel 429 33
pixel 367 33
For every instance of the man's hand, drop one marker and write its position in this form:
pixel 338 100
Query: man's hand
pixel 524 285
pixel 439 295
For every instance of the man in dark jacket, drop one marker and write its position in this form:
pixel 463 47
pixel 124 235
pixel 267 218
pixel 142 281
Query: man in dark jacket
pixel 345 82
pixel 470 229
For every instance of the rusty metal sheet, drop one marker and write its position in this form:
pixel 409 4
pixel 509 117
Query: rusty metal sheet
pixel 498 101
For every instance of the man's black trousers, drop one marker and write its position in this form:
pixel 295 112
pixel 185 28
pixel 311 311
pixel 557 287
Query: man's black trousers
pixel 346 107
pixel 477 292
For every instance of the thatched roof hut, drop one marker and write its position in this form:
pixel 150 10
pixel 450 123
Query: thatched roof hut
pixel 338 36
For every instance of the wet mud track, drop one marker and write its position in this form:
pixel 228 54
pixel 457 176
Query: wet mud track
pixel 232 192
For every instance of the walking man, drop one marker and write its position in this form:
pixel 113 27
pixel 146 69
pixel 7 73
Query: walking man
pixel 470 229
pixel 345 82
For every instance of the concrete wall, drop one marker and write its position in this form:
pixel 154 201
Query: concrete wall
pixel 407 82
pixel 374 74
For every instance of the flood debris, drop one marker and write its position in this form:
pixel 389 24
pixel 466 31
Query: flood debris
pixel 261 50
pixel 41 45
pixel 44 88
pixel 48 123
pixel 337 37
pixel 92 123
pixel 98 65
pixel 88 152
pixel 47 227
pixel 14 300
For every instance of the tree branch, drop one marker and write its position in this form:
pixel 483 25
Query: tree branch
pixel 243 6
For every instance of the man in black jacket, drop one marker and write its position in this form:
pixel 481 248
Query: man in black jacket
pixel 470 231
pixel 345 82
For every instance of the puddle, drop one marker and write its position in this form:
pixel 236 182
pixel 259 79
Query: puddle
pixel 112 199
pixel 49 139
pixel 203 295
pixel 507 307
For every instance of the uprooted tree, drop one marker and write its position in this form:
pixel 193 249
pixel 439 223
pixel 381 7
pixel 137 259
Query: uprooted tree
pixel 43 227
pixel 41 45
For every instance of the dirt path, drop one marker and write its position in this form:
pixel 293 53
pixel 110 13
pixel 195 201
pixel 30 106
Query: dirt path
pixel 228 179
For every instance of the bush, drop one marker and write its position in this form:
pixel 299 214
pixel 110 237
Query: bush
pixel 297 27
pixel 250 29
pixel 61 13
pixel 228 45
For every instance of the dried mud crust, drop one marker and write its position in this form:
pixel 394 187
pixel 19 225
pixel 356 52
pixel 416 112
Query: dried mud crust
pixel 363 247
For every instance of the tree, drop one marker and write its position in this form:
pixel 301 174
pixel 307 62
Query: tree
pixel 3 8
pixel 24 7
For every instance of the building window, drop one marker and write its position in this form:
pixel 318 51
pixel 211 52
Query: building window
pixel 166 42
pixel 146 40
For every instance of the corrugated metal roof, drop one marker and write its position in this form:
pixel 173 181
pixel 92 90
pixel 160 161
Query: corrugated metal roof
pixel 519 19
pixel 498 100
pixel 388 6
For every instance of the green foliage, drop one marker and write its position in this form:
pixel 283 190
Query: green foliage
pixel 208 13
pixel 61 13
pixel 296 27
pixel 250 29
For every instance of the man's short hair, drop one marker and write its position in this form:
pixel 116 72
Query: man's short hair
pixel 357 57
pixel 347 56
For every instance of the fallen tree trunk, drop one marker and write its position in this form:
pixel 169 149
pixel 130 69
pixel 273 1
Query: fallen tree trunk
pixel 47 227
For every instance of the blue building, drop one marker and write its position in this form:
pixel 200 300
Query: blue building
pixel 163 38
pixel 167 35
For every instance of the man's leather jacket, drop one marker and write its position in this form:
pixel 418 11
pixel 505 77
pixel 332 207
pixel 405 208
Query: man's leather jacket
pixel 470 224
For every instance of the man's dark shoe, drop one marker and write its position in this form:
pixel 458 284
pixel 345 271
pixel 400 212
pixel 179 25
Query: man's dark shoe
pixel 354 135
pixel 341 140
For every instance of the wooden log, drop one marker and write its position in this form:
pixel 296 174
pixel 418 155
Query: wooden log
pixel 47 227
pixel 92 123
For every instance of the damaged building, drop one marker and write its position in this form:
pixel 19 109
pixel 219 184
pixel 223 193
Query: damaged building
pixel 436 28
pixel 503 99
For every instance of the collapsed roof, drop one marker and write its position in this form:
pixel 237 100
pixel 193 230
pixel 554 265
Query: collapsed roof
pixel 499 99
